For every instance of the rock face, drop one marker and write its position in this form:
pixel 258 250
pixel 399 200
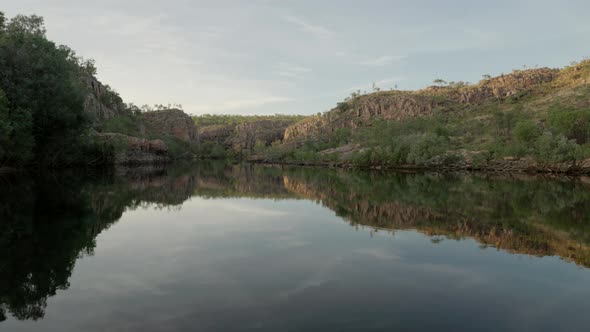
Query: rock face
pixel 101 103
pixel 506 85
pixel 245 136
pixel 172 122
pixel 216 133
pixel 401 105
pixel 132 150
pixel 265 131
pixel 397 105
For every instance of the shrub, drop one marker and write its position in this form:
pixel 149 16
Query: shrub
pixel 425 147
pixel 556 148
pixel 574 124
pixel 526 131
pixel 122 124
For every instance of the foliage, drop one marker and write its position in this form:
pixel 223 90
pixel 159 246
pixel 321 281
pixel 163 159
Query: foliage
pixel 234 119
pixel 126 124
pixel 211 150
pixel 573 123
pixel 556 148
pixel 5 128
pixel 526 131
pixel 44 95
pixel 179 149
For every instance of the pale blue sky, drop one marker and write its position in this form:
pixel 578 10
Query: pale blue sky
pixel 272 56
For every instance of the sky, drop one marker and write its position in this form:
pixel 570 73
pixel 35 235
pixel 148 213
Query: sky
pixel 300 56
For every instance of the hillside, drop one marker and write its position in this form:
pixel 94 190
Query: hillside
pixel 528 120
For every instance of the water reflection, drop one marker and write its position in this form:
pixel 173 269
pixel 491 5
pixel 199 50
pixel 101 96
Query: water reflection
pixel 49 221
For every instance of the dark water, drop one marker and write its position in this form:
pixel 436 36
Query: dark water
pixel 210 247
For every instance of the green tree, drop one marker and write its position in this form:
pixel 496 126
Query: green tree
pixel 44 93
pixel 439 82
pixel 526 131
pixel 4 123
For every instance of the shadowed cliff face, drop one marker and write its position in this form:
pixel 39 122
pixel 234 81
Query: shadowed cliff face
pixel 245 136
pixel 101 102
pixel 48 222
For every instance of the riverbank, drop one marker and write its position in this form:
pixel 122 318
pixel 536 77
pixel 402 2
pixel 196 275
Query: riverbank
pixel 524 165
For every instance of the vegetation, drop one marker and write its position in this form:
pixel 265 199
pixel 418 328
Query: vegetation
pixel 41 98
pixel 548 123
pixel 233 119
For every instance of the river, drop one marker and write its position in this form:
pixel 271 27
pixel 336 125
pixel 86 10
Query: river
pixel 216 247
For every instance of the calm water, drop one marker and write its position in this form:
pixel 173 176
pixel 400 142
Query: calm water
pixel 210 247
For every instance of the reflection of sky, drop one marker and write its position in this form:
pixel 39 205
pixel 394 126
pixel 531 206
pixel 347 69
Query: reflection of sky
pixel 236 263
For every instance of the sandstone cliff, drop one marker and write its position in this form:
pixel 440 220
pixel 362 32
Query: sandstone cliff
pixel 172 122
pixel 137 138
pixel 244 136
pixel 265 131
pixel 101 102
pixel 360 111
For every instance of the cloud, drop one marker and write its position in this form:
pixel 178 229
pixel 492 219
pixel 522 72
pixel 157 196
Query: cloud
pixel 290 70
pixel 316 30
pixel 382 60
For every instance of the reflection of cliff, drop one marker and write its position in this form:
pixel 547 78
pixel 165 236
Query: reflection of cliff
pixel 538 217
pixel 47 223
pixel 242 180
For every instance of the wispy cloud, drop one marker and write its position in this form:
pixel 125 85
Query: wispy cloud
pixel 316 30
pixel 290 70
pixel 382 60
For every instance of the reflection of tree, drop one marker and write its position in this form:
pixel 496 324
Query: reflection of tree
pixel 43 229
pixel 47 223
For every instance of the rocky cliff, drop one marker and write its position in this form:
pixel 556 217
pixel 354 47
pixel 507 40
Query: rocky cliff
pixel 247 135
pixel 101 102
pixel 244 136
pixel 360 111
pixel 171 122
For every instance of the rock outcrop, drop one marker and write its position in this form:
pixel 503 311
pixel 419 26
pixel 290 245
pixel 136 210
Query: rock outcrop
pixel 101 102
pixel 506 85
pixel 400 105
pixel 218 134
pixel 172 122
pixel 246 135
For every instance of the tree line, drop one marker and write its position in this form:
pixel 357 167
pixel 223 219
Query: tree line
pixel 42 117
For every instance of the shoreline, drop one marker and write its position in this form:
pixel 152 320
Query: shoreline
pixel 497 167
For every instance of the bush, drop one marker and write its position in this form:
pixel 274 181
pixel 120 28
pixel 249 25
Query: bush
pixel 425 147
pixel 550 148
pixel 211 150
pixel 123 124
pixel 574 124
pixel 526 131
